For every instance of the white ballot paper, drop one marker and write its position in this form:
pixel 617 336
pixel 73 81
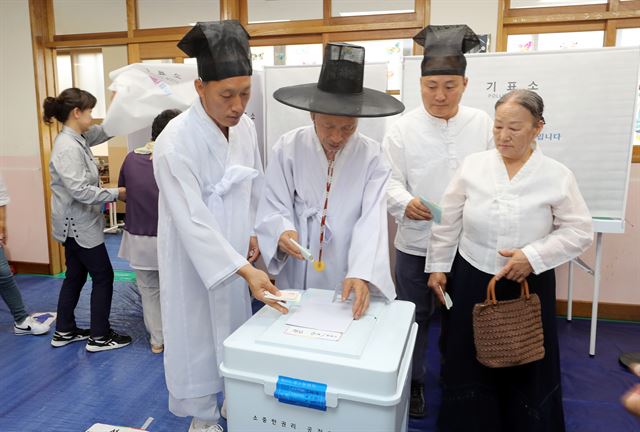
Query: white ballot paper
pixel 322 314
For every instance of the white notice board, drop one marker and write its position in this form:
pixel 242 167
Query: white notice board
pixel 280 118
pixel 590 110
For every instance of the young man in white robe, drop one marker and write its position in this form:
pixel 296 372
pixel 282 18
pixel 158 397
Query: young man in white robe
pixel 425 147
pixel 208 170
pixel 325 188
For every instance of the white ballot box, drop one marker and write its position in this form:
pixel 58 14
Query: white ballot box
pixel 286 378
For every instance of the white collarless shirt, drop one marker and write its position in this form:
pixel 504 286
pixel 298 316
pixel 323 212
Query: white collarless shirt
pixel 540 210
pixel 424 152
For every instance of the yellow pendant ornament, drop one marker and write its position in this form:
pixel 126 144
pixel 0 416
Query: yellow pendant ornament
pixel 318 265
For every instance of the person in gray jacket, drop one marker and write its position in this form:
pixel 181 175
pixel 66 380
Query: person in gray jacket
pixel 78 223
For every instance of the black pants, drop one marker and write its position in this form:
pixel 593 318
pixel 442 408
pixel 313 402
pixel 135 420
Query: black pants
pixel 80 262
pixel 524 398
pixel 411 285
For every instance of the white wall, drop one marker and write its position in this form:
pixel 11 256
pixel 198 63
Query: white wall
pixel 19 140
pixel 480 15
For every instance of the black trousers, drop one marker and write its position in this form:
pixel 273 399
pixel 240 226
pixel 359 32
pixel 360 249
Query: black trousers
pixel 80 262
pixel 411 285
pixel 525 398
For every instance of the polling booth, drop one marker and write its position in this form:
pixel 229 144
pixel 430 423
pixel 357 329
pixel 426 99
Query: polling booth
pixel 316 369
pixel 590 117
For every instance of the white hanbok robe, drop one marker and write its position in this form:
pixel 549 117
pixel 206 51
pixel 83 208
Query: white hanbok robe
pixel 208 194
pixel 356 234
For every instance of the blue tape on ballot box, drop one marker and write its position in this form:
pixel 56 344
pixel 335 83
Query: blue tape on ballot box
pixel 302 393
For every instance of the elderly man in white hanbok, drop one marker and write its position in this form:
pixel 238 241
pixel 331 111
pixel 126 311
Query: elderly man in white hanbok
pixel 207 167
pixel 326 187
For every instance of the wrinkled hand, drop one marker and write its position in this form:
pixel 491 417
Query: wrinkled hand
pixel 361 290
pixel 287 247
pixel 254 250
pixel 517 268
pixel 259 283
pixel 122 194
pixel 631 399
pixel 417 211
pixel 436 281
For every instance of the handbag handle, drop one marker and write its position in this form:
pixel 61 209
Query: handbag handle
pixel 491 291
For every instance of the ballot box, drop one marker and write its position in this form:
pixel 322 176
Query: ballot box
pixel 280 377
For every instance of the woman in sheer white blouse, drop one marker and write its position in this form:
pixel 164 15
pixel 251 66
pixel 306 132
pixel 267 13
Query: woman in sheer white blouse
pixel 514 213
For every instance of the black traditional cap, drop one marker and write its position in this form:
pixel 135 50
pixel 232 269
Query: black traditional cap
pixel 339 90
pixel 444 48
pixel 221 48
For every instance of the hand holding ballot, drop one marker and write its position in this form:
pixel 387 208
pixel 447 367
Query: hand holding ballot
pixel 416 210
pixel 259 284
pixel 438 283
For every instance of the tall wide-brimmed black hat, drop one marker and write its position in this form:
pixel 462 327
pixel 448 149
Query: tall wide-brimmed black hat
pixel 339 90
pixel 221 49
pixel 444 48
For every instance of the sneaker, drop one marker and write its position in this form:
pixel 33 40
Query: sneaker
pixel 30 326
pixel 416 403
pixel 61 339
pixel 105 343
pixel 198 425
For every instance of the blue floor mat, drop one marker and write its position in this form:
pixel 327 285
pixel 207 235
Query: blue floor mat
pixel 68 389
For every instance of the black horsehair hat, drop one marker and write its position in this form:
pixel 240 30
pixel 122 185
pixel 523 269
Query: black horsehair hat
pixel 339 90
pixel 221 49
pixel 444 48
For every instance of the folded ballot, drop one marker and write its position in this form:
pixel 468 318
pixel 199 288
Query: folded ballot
pixel 288 296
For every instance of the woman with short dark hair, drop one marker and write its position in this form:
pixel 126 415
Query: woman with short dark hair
pixel 78 222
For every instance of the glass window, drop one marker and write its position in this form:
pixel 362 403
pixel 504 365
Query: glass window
pixel 89 16
pixel 390 51
pixel 261 11
pixel 555 41
pixel 89 76
pixel 262 56
pixel 628 37
pixel 83 70
pixel 370 7
pixel 516 4
pixel 306 54
pixel 157 61
pixel 64 75
pixel 176 13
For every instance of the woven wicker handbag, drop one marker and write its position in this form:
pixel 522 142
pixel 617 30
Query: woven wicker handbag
pixel 508 333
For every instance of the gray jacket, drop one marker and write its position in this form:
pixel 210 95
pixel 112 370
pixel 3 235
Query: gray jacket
pixel 76 195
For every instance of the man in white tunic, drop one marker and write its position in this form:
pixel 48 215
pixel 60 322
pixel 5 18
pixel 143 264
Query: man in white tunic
pixel 425 148
pixel 207 167
pixel 325 187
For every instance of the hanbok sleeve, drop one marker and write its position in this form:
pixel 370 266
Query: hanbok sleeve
pixel 397 194
pixel 446 235
pixel 213 257
pixel 275 211
pixel 257 184
pixel 368 257
pixel 572 233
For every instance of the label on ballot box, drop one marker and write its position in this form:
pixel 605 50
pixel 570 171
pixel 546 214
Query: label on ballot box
pixel 302 393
